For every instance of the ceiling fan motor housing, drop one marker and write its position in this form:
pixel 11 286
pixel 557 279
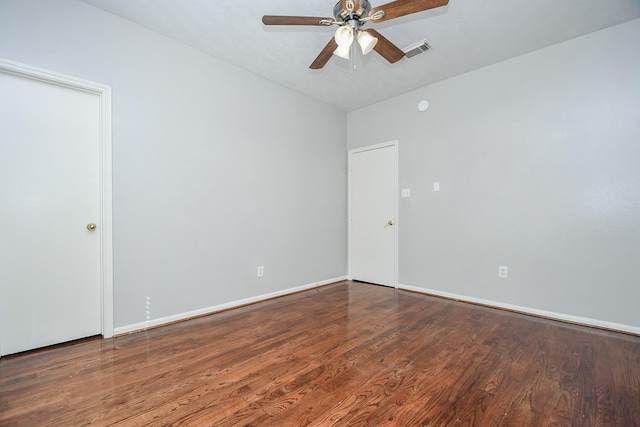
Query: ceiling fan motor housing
pixel 343 15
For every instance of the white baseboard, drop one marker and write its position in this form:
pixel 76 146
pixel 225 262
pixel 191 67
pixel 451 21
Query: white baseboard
pixel 209 310
pixel 527 310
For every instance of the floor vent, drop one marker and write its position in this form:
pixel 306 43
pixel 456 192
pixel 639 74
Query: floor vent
pixel 416 49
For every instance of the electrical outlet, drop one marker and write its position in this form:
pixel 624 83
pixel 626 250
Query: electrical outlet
pixel 503 272
pixel 406 192
pixel 260 271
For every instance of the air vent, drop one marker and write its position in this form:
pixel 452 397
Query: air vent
pixel 416 49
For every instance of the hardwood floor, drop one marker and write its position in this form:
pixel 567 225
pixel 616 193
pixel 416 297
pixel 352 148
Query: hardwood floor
pixel 347 354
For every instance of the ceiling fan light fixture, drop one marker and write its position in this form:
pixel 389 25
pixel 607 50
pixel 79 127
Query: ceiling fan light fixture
pixel 344 39
pixel 342 51
pixel 366 41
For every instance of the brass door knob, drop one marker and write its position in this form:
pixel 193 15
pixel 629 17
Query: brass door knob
pixel 390 223
pixel 91 226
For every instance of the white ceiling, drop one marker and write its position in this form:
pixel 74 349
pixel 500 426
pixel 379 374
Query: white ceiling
pixel 465 35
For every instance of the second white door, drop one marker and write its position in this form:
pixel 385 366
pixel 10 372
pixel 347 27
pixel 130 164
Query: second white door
pixel 372 209
pixel 50 289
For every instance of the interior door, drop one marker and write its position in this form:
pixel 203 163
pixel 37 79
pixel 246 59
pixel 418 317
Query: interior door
pixel 372 210
pixel 50 289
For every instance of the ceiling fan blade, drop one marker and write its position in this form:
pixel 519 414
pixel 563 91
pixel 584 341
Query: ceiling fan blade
pixel 385 48
pixel 325 55
pixel 399 8
pixel 345 5
pixel 294 20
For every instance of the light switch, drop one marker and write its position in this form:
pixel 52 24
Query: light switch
pixel 503 271
pixel 436 186
pixel 406 192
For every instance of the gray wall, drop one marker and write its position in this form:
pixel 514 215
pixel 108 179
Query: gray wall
pixel 215 171
pixel 538 160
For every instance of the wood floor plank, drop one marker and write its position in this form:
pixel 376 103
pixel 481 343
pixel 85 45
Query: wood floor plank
pixel 347 354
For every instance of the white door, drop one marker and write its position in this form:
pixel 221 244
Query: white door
pixel 372 210
pixel 50 289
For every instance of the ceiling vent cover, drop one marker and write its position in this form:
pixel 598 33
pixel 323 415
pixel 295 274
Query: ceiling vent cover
pixel 416 49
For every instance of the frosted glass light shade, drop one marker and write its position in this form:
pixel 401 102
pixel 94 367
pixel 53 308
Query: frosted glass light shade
pixel 343 51
pixel 366 41
pixel 344 39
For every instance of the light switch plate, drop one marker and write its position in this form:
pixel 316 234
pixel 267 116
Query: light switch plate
pixel 436 186
pixel 503 271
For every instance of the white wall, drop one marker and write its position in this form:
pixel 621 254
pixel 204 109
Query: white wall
pixel 538 159
pixel 215 170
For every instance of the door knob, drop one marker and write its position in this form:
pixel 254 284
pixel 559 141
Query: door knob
pixel 390 223
pixel 91 226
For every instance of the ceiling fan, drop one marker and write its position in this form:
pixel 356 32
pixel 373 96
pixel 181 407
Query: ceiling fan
pixel 349 17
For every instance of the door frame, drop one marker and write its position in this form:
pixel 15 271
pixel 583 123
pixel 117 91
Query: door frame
pixel 106 220
pixel 395 144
